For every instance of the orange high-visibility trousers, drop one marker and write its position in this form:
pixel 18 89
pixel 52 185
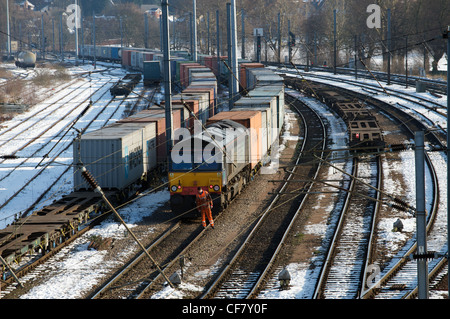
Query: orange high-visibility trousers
pixel 204 204
pixel 206 213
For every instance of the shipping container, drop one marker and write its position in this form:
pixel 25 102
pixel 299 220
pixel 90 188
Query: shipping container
pixel 262 77
pixel 268 103
pixel 272 91
pixel 179 71
pixel 185 72
pixel 191 104
pixel 202 89
pixel 212 63
pixel 200 72
pixel 251 120
pixel 203 104
pixel 263 138
pixel 126 58
pixel 243 73
pixel 134 59
pixel 115 155
pixel 152 72
pixel 185 114
pixel 115 53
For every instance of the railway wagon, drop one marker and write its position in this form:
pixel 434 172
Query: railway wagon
pixel 48 227
pixel 125 85
pixel 243 70
pixel 365 134
pixel 152 72
pixel 107 53
pixel 117 155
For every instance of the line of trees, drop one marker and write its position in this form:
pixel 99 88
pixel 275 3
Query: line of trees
pixel 422 21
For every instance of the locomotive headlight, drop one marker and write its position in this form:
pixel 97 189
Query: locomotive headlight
pixel 174 188
pixel 216 188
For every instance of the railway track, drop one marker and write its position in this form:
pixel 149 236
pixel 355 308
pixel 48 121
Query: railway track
pixel 405 284
pixel 436 86
pixel 34 147
pixel 96 115
pixel 399 278
pixel 139 276
pixel 247 279
pixel 343 272
pixel 245 275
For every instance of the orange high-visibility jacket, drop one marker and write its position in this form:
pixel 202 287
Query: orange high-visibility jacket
pixel 204 201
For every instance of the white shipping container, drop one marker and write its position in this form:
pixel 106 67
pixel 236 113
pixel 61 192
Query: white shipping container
pixel 265 124
pixel 263 102
pixel 203 104
pixel 134 59
pixel 117 155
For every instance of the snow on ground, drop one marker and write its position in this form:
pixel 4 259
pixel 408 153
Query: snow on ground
pixel 304 275
pixel 76 270
pixel 65 108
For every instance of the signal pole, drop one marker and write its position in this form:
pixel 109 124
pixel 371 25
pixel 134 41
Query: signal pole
pixel 446 36
pixel 8 29
pixel 389 47
pixel 335 41
pixel 167 76
pixel 422 263
pixel 234 59
pixel 194 30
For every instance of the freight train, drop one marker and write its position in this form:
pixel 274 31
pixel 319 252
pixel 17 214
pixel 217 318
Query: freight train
pixel 120 156
pixel 227 154
pixel 151 62
pixel 365 134
pixel 127 153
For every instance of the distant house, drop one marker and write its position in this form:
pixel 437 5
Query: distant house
pixel 37 5
pixel 27 5
pixel 152 10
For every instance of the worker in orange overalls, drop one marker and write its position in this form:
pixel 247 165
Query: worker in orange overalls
pixel 204 205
